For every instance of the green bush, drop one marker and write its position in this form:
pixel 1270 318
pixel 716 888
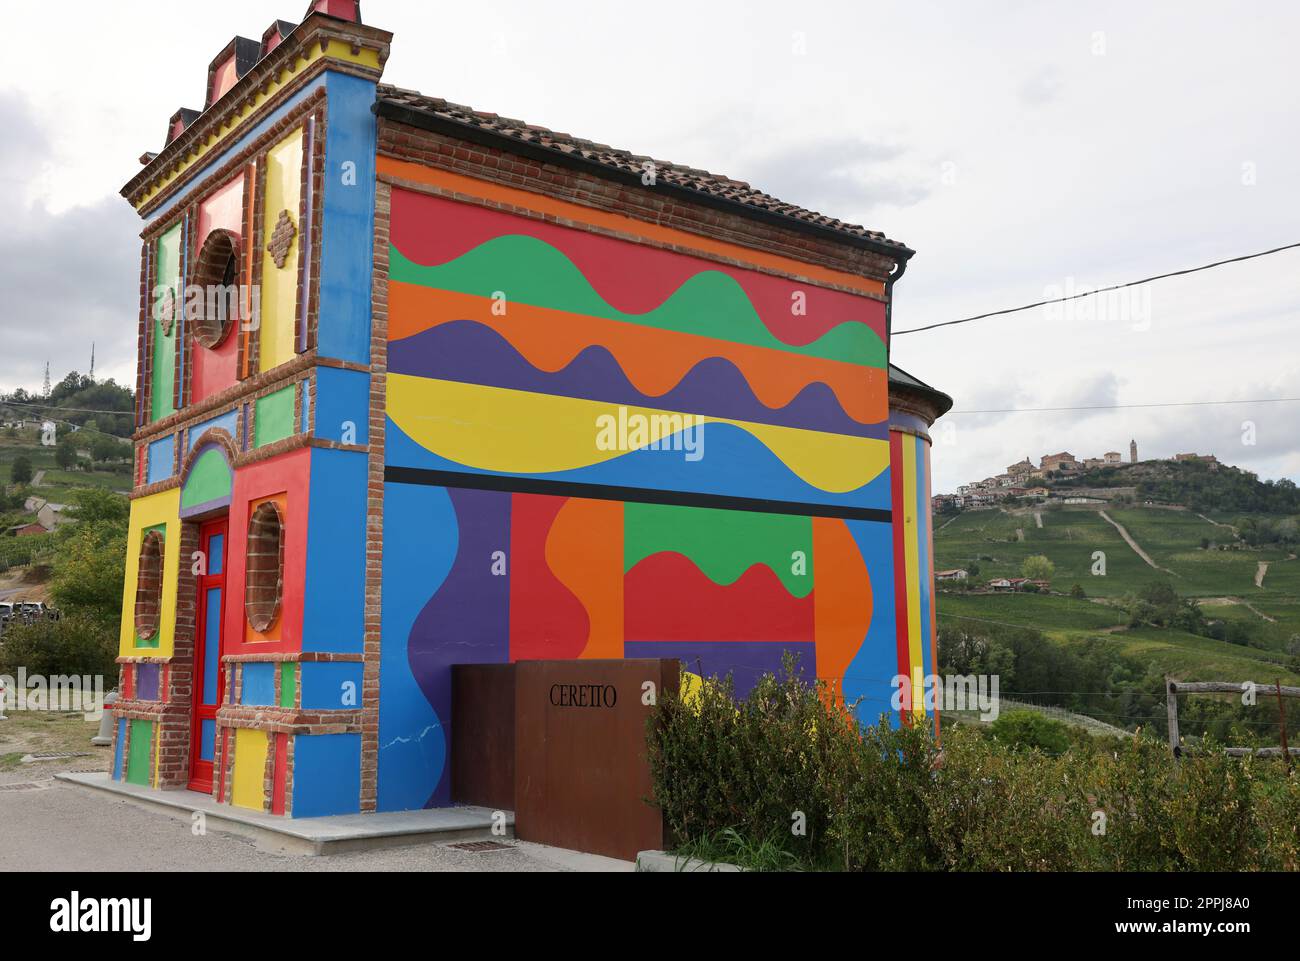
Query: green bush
pixel 1028 729
pixel 72 645
pixel 736 779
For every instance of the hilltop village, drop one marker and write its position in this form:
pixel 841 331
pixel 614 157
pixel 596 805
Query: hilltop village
pixel 1055 478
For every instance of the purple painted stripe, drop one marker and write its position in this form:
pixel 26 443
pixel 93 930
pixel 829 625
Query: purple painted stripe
pixel 745 661
pixel 467 621
pixel 468 352
pixel 147 682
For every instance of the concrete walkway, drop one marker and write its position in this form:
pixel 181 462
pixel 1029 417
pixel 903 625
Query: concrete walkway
pixel 61 825
pixel 311 836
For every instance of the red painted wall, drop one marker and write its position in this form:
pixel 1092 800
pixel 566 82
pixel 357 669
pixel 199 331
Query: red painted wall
pixel 286 475
pixel 214 370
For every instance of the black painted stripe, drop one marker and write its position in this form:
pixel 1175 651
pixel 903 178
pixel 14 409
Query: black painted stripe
pixel 638 495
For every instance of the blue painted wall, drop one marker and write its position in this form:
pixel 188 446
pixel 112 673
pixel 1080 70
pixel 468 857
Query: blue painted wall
pixel 326 775
pixel 162 455
pixel 334 601
pixel 259 685
pixel 342 397
pixel 332 686
pixel 347 239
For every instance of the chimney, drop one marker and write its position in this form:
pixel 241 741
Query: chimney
pixel 349 10
pixel 238 57
pixel 180 120
pixel 276 34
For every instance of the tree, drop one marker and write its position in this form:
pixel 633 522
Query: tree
pixel 65 452
pixel 94 505
pixel 20 472
pixel 89 563
pixel 105 449
pixel 1037 568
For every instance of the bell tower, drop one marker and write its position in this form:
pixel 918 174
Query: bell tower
pixel 1133 452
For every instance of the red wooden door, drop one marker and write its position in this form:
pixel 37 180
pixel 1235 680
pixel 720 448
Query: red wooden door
pixel 209 679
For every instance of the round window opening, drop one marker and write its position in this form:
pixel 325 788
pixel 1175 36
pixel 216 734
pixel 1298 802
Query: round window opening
pixel 216 275
pixel 264 582
pixel 148 589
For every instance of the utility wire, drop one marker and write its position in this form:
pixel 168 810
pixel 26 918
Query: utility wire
pixel 1093 293
pixel 66 410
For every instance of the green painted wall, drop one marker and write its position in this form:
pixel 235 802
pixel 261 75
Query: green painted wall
pixel 274 418
pixel 723 544
pixel 167 274
pixel 209 480
pixel 288 683
pixel 137 763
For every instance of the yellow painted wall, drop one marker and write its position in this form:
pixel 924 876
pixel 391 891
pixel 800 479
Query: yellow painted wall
pixel 280 285
pixel 148 512
pixel 250 769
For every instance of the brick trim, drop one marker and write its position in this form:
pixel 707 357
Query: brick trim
pixel 373 625
pixel 213 435
pixel 267 382
pixel 243 96
pixel 141 343
pixel 401 141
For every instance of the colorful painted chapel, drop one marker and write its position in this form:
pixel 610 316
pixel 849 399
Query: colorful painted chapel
pixel 421 386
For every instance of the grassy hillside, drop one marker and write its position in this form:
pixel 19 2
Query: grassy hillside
pixel 998 541
pixel 57 483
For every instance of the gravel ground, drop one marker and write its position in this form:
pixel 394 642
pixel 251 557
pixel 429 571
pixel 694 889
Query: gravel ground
pixel 60 827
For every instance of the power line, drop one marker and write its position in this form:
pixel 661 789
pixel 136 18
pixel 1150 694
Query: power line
pixel 66 410
pixel 1182 403
pixel 1102 290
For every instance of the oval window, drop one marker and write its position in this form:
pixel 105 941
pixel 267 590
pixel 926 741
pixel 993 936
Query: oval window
pixel 148 586
pixel 264 579
pixel 216 277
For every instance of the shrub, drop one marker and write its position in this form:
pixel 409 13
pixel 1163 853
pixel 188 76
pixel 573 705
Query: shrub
pixel 1027 729
pixel 71 645
pixel 1028 794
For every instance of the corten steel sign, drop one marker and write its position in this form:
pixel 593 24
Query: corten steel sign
pixel 483 735
pixel 581 773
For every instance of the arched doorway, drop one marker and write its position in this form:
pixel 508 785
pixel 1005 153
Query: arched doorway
pixel 207 482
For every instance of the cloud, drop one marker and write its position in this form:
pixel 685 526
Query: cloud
pixel 1041 88
pixel 840 176
pixel 70 279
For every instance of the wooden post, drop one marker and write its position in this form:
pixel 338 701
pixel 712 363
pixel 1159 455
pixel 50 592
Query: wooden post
pixel 1171 706
pixel 1281 709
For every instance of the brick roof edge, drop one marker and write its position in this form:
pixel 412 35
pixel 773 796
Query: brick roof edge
pixel 389 107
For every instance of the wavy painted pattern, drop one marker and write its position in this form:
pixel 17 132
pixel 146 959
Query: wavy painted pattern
pixel 486 577
pixel 452 426
pixel 724 545
pixel 634 278
pixel 670 599
pixel 655 361
pixel 710 303
pixel 470 352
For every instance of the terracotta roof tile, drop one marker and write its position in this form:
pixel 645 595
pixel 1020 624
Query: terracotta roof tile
pixel 623 160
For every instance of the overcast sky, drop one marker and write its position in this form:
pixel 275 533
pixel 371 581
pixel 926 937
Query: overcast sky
pixel 1022 149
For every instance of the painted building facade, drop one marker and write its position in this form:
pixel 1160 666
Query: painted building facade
pixel 482 393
